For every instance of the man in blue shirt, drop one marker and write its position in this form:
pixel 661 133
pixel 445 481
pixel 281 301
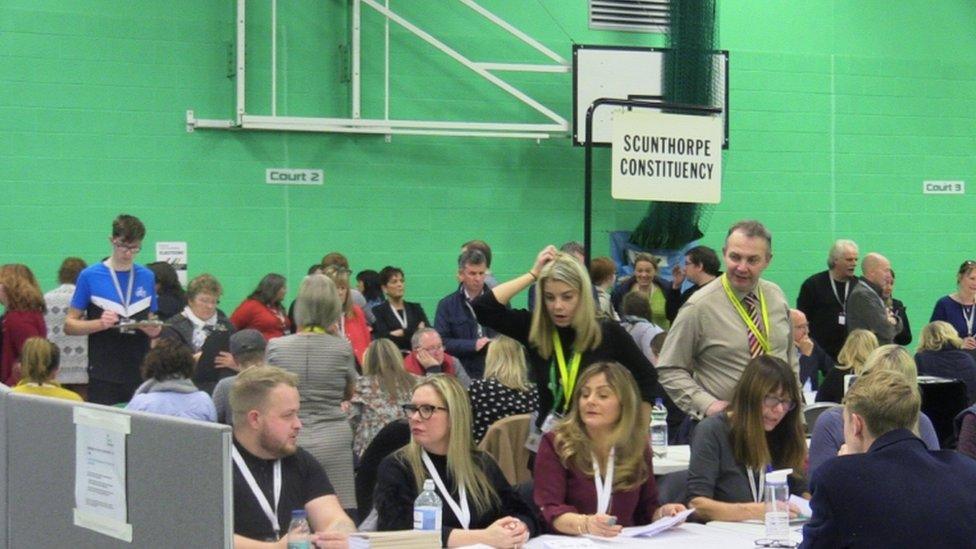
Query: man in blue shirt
pixel 107 296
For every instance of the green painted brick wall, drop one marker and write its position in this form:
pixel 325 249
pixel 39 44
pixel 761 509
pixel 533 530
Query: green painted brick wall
pixel 839 111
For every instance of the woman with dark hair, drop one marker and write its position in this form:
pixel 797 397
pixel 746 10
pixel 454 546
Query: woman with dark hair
pixel 262 310
pixel 561 333
pixel 591 468
pixel 23 317
pixel 478 504
pixel 397 319
pixel 326 371
pixel 958 307
pixel 368 283
pixel 168 390
pixel 39 363
pixel 645 282
pixel 170 297
pixel 760 431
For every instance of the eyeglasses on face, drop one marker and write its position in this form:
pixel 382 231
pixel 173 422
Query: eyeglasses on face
pixel 432 348
pixel 772 401
pixel 425 410
pixel 132 249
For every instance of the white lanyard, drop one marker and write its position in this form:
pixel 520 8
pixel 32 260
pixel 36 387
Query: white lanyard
pixel 756 496
pixel 604 486
pixel 342 324
pixel 969 318
pixel 847 288
pixel 462 512
pixel 464 296
pixel 127 298
pixel 402 321
pixel 258 493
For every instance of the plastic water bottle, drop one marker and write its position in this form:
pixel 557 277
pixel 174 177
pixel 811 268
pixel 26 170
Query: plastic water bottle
pixel 659 429
pixel 778 505
pixel 427 509
pixel 299 534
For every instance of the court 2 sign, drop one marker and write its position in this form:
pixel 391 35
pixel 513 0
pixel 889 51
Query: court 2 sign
pixel 289 176
pixel 666 157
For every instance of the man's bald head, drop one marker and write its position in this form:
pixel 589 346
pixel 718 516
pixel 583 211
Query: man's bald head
pixel 876 268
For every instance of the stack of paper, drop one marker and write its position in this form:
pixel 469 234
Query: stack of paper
pixel 401 539
pixel 656 527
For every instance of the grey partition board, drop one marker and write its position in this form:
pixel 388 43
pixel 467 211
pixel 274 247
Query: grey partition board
pixel 178 479
pixel 3 470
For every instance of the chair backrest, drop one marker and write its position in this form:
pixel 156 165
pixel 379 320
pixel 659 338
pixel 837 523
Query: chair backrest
pixel 812 411
pixel 391 438
pixel 505 441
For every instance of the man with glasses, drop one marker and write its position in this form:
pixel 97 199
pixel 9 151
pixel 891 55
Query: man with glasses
pixel 428 357
pixel 108 296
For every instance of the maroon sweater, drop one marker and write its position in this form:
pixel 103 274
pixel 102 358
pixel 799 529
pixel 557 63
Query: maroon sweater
pixel 18 327
pixel 559 490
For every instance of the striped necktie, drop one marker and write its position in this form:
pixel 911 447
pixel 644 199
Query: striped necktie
pixel 752 305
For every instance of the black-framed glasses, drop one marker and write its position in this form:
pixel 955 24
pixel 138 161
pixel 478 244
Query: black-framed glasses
pixel 126 247
pixel 425 410
pixel 772 401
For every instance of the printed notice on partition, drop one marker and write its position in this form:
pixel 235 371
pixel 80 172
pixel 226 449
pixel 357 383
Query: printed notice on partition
pixel 100 497
pixel 666 157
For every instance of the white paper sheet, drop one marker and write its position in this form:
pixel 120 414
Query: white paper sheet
pixel 100 490
pixel 656 527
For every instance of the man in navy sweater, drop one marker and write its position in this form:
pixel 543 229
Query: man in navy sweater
pixel 887 489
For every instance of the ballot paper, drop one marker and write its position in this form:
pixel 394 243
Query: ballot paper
pixel 656 527
pixel 803 505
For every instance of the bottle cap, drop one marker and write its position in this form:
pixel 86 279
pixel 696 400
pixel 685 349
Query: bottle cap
pixel 778 476
pixel 298 513
pixel 429 484
pixel 659 401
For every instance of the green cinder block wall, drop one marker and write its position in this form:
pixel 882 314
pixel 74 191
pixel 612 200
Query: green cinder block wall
pixel 839 111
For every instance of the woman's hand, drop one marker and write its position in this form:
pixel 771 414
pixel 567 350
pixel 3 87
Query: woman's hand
pixel 226 360
pixel 668 510
pixel 330 540
pixel 599 525
pixel 545 256
pixel 969 343
pixel 507 532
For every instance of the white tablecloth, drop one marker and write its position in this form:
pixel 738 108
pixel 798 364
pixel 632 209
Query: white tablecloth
pixel 699 536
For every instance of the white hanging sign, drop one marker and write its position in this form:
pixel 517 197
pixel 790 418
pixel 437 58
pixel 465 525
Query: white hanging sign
pixel 666 157
pixel 100 487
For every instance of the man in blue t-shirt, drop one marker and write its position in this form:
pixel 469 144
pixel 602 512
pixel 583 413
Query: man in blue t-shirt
pixel 109 295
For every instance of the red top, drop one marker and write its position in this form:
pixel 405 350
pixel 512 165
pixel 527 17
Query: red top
pixel 558 490
pixel 357 332
pixel 270 322
pixel 18 327
pixel 412 365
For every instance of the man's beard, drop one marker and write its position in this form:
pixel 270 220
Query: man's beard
pixel 277 449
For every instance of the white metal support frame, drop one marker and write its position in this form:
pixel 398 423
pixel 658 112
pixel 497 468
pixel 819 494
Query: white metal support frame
pixel 557 125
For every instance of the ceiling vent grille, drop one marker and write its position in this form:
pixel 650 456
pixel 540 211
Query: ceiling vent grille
pixel 630 15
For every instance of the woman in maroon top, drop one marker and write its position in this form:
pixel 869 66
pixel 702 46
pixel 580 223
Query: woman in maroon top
pixel 24 303
pixel 592 474
pixel 262 310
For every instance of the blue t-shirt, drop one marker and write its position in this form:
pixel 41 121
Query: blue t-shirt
pixel 113 355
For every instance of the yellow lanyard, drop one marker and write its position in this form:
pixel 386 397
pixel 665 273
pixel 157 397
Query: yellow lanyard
pixel 568 378
pixel 762 338
pixel 313 330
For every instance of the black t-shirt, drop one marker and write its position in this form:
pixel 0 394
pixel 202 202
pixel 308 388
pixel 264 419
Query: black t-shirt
pixel 302 480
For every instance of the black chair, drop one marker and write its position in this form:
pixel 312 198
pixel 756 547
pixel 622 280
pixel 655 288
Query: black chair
pixel 942 400
pixel 390 439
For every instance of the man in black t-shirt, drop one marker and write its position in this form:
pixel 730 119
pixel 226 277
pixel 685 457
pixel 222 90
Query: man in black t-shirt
pixel 265 403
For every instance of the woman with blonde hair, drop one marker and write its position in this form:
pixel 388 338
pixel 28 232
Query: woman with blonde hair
pixel 760 431
pixel 850 359
pixel 352 323
pixel 505 390
pixel 39 365
pixel 592 474
pixel 479 506
pixel 380 393
pixel 562 333
pixel 23 317
pixel 827 436
pixel 939 353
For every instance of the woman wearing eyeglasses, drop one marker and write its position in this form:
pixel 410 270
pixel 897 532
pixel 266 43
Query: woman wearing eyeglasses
pixel 760 431
pixel 479 506
pixel 592 474
pixel 959 307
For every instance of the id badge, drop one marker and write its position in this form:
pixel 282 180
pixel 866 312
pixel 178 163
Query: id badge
pixel 842 319
pixel 534 438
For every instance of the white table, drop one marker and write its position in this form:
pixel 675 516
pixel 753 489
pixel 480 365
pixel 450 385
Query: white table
pixel 699 536
pixel 676 460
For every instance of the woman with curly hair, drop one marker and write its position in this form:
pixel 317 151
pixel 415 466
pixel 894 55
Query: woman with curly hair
pixel 24 317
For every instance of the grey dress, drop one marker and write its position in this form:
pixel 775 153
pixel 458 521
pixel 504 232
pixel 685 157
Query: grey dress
pixel 325 366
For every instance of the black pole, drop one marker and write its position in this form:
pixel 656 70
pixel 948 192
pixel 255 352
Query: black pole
pixel 588 155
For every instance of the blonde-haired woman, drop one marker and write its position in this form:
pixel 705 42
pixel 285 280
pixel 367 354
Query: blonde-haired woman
pixel 939 353
pixel 827 436
pixel 562 333
pixel 850 359
pixel 39 365
pixel 380 393
pixel 592 467
pixel 352 323
pixel 479 506
pixel 505 390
